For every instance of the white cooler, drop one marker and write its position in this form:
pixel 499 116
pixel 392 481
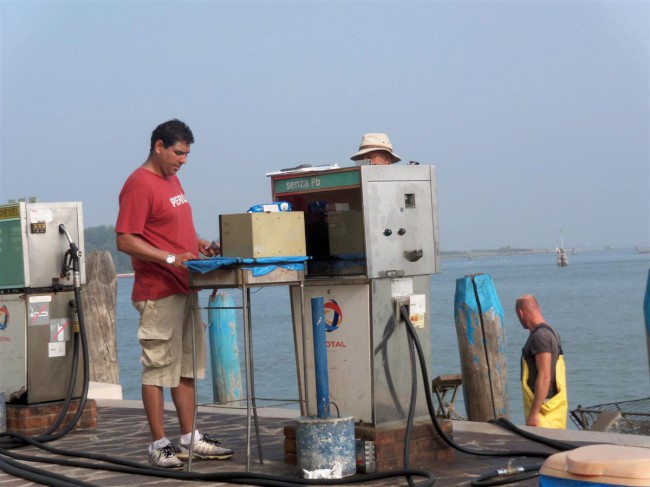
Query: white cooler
pixel 597 465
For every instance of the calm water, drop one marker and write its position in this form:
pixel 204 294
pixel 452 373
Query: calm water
pixel 596 304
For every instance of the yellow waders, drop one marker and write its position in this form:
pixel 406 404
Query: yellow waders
pixel 554 411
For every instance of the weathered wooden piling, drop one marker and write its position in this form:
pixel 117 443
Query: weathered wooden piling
pixel 481 343
pixel 99 300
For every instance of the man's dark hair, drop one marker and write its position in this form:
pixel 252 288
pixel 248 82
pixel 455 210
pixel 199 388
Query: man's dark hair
pixel 171 132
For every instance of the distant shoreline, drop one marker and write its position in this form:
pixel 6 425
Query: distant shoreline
pixel 506 251
pixel 452 254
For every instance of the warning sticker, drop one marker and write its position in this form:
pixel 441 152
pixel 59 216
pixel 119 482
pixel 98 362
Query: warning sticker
pixel 401 287
pixel 39 313
pixel 60 330
pixel 56 349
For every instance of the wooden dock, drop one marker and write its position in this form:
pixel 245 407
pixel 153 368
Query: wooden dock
pixel 122 432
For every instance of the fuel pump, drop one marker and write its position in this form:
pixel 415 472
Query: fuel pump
pixel 372 234
pixel 43 268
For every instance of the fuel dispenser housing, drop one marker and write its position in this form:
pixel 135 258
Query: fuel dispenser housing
pixel 37 306
pixel 372 235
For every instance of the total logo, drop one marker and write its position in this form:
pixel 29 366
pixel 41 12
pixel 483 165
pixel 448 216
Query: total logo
pixel 4 317
pixel 333 315
pixel 333 319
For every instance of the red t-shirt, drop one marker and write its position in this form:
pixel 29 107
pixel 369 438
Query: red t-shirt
pixel 156 209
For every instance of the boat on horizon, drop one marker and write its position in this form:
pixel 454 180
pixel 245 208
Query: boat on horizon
pixel 562 257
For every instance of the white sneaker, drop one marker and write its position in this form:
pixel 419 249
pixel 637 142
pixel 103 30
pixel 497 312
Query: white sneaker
pixel 165 456
pixel 206 448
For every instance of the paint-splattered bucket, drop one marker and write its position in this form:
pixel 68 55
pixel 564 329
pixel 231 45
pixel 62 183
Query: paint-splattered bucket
pixel 322 442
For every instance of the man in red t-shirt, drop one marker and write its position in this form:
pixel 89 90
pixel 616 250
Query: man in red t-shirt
pixel 155 228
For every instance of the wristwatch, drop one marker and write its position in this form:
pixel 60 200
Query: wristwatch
pixel 170 259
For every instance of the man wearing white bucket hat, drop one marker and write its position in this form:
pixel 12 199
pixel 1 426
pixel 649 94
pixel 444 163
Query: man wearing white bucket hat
pixel 376 148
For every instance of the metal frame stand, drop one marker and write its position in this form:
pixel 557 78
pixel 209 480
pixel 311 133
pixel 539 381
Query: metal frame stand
pixel 235 277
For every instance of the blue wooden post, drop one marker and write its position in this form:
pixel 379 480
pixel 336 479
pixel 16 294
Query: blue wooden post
pixel 646 314
pixel 481 342
pixel 224 350
pixel 323 441
pixel 320 357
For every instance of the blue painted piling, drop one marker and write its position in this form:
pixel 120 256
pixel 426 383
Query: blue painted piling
pixel 646 314
pixel 481 342
pixel 224 349
pixel 320 357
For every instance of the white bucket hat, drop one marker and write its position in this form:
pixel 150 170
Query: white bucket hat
pixel 372 142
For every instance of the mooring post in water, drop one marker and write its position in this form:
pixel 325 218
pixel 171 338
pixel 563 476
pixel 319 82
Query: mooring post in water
pixel 224 349
pixel 646 314
pixel 481 343
pixel 320 357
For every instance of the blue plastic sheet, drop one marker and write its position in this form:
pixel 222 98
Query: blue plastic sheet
pixel 259 267
pixel 550 481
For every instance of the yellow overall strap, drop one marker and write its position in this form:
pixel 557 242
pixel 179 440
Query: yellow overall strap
pixel 554 411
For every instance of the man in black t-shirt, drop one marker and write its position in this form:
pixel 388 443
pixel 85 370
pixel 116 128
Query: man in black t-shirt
pixel 542 368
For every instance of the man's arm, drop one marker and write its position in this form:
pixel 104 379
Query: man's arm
pixel 135 246
pixel 542 385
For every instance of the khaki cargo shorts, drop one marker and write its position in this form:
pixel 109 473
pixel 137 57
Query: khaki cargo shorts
pixel 165 336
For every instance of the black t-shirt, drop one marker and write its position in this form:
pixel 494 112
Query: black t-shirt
pixel 542 339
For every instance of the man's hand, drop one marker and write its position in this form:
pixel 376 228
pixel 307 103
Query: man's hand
pixel 532 419
pixel 182 258
pixel 209 249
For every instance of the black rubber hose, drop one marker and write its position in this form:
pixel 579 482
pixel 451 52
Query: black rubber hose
pixel 432 414
pixel 70 393
pixel 247 478
pixel 558 445
pixel 116 464
pixel 411 413
pixel 382 347
pixel 507 476
pixel 39 475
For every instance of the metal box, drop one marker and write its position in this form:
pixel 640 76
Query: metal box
pixel 400 220
pixel 255 235
pixel 36 347
pixel 368 361
pixel 32 249
pixel 372 238
pixel 375 221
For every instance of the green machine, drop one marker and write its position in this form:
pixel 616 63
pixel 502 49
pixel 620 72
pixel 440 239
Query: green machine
pixel 37 302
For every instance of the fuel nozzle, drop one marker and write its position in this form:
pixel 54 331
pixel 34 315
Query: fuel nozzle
pixel 73 246
pixel 71 258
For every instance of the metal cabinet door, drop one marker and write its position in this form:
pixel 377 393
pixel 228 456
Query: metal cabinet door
pixel 399 220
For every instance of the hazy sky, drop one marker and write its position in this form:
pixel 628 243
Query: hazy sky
pixel 536 114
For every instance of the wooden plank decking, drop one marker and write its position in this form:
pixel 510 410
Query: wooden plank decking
pixel 122 432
